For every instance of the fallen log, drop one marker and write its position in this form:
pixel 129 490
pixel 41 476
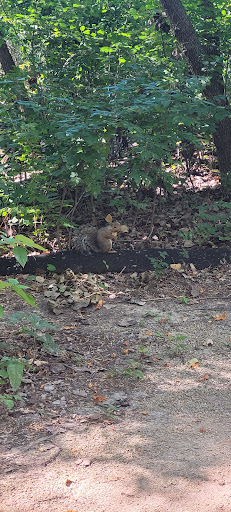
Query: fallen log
pixel 126 261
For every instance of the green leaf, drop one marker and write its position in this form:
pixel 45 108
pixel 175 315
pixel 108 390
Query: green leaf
pixel 51 268
pixel 3 373
pixel 139 374
pixel 1 311
pixel 15 372
pixel 21 255
pixel 25 296
pixel 7 401
pixel 28 242
pixel 12 281
pixel 16 317
pixel 4 284
pixel 192 361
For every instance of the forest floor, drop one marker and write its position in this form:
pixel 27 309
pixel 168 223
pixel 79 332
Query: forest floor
pixel 131 409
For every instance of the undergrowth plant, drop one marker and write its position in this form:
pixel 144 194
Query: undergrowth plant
pixel 131 369
pixel 159 265
pixel 35 329
pixel 11 369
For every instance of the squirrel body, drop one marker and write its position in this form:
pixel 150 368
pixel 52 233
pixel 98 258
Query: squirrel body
pixel 89 239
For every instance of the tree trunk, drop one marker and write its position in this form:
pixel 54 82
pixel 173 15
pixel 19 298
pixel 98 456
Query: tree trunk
pixel 6 59
pixel 184 33
pixel 215 91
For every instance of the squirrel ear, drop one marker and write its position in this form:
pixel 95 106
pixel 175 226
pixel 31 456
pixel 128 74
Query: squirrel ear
pixel 108 218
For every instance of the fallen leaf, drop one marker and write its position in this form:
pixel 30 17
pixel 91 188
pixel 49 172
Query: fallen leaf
pixel 113 355
pixel 202 379
pixel 124 228
pixel 221 317
pixel 162 320
pixel 193 268
pixel 193 363
pixel 125 351
pixel 165 364
pixel 155 359
pixel 99 305
pixel 201 291
pixel 202 430
pixel 148 333
pixel 97 399
pixel 40 279
pixel 68 482
pixel 108 218
pixel 126 343
pixel 176 266
pixel 145 413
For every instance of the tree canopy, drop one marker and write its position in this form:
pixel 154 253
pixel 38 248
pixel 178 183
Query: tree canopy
pixel 93 92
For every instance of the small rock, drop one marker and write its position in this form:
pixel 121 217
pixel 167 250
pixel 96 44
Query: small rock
pixel 119 399
pixel 49 387
pixel 78 392
pixel 127 322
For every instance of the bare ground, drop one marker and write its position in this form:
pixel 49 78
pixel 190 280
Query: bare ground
pixel 91 436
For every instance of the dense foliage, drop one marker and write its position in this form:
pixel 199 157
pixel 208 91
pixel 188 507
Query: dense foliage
pixel 100 93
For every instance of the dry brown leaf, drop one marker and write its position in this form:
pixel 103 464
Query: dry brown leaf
pixel 176 266
pixel 100 304
pixel 155 359
pixel 126 343
pixel 165 364
pixel 148 333
pixel 108 218
pixel 201 291
pixel 98 398
pixel 202 379
pixel 220 317
pixel 113 355
pixel 125 351
pixel 68 482
pixel 202 430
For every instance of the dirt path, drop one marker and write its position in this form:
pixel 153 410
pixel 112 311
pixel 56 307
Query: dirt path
pixel 99 439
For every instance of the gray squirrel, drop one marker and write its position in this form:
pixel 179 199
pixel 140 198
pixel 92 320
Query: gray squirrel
pixel 89 239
